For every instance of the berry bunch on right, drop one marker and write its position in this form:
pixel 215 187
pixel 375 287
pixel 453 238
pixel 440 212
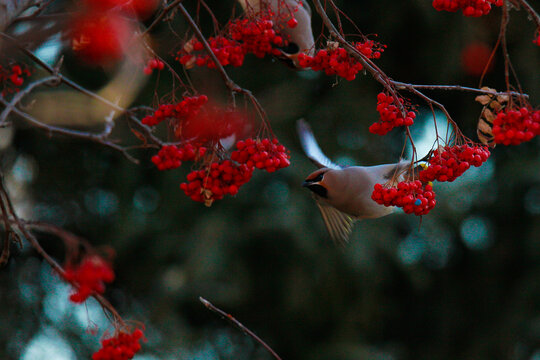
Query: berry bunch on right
pixel 513 127
pixel 474 8
pixel 450 162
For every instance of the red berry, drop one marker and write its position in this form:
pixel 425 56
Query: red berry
pixel 292 23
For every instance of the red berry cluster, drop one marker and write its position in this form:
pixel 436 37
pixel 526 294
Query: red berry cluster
pixel 88 277
pixel 512 127
pixel 99 37
pixel 12 77
pixel 412 196
pixel 216 180
pixel 121 347
pixel 468 7
pixel 391 115
pixel 188 107
pixel 226 50
pixel 448 163
pixel 253 35
pixel 256 35
pixel 153 64
pixel 171 156
pixel 337 61
pixel 264 154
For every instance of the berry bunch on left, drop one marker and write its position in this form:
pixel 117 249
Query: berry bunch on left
pixel 12 77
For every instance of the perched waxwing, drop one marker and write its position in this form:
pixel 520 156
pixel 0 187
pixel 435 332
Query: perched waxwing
pixel 299 35
pixel 343 194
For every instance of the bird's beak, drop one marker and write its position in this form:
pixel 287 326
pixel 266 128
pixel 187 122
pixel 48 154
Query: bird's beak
pixel 316 187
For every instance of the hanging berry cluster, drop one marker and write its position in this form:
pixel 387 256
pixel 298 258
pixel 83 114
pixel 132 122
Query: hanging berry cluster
pixel 216 180
pixel 413 196
pixel 202 128
pixel 253 35
pixel 513 127
pixel 473 8
pixel 153 64
pixel 12 77
pixel 121 347
pixel 390 115
pixel 450 162
pixel 88 277
pixel 266 155
pixel 337 61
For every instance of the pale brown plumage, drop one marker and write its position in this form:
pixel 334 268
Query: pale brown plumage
pixel 343 194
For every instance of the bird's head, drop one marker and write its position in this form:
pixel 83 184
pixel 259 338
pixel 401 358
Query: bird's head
pixel 317 182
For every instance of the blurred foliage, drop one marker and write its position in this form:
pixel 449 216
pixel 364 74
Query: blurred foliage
pixel 461 283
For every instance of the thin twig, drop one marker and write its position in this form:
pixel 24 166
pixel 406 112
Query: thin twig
pixel 238 324
pixel 19 96
pixel 160 17
pixel 99 138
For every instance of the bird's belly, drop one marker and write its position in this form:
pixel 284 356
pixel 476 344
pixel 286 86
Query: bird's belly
pixel 365 208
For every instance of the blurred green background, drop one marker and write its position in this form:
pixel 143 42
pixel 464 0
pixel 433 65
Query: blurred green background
pixel 460 283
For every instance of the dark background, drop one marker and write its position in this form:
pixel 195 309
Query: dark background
pixel 460 283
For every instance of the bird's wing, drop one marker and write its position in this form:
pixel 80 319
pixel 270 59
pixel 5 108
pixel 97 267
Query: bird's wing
pixel 311 148
pixel 339 224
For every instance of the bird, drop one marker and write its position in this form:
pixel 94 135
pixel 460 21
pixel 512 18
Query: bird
pixel 299 35
pixel 343 194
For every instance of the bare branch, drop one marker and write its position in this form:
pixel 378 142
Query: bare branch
pixel 238 324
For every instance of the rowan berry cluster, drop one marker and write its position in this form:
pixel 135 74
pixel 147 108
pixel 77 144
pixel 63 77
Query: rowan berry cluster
pixel 450 162
pixel 337 61
pixel 256 35
pixel 264 154
pixel 390 115
pixel 11 77
pixel 188 107
pixel 171 156
pixel 153 64
pixel 88 277
pixel 473 8
pixel 227 51
pixel 121 347
pixel 216 180
pixel 412 196
pixel 513 127
pixel 253 35
pixel 99 37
